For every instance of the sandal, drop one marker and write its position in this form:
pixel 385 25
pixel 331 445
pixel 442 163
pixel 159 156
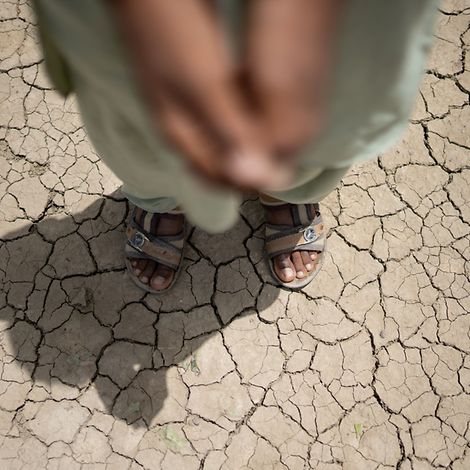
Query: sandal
pixel 308 234
pixel 163 249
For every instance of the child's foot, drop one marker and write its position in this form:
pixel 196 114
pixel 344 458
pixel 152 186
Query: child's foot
pixel 295 264
pixel 158 276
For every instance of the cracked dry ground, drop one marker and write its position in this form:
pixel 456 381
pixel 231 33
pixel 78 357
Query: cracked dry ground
pixel 367 368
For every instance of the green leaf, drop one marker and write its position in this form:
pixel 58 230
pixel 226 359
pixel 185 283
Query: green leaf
pixel 134 407
pixel 172 439
pixel 194 367
pixel 358 430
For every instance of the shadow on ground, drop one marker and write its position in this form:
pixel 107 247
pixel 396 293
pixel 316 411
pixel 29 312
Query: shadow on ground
pixel 75 322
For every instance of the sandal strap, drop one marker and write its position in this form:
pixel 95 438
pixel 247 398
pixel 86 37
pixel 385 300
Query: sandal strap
pixel 163 249
pixel 285 239
pixel 302 214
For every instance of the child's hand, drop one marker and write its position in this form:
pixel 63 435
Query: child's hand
pixel 188 79
pixel 288 56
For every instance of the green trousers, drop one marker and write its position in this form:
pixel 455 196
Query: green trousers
pixel 379 60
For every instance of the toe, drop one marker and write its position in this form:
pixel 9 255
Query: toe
pixel 300 269
pixel 284 268
pixel 147 272
pixel 162 277
pixel 138 265
pixel 307 260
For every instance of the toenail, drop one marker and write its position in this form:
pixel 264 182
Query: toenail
pixel 300 274
pixel 158 280
pixel 308 266
pixel 144 279
pixel 138 271
pixel 288 272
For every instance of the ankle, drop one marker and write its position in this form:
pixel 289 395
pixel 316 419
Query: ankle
pixel 167 223
pixel 279 214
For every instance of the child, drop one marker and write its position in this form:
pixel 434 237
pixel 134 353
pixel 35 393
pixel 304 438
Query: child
pixel 187 125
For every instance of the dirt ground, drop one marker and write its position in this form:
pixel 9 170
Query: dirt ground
pixel 367 368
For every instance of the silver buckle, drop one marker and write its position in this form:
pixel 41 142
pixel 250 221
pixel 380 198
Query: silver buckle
pixel 309 234
pixel 138 240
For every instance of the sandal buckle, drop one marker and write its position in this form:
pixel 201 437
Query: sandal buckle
pixel 138 240
pixel 309 234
